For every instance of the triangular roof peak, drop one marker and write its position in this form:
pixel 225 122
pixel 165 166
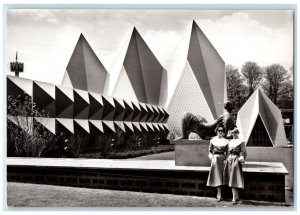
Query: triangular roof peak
pixel 81 37
pixel 135 31
pixel 260 105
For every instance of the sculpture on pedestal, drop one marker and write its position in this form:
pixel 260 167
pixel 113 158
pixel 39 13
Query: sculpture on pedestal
pixel 198 124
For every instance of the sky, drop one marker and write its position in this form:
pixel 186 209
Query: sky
pixel 46 38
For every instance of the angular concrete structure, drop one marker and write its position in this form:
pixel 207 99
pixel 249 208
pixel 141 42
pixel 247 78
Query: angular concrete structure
pixel 44 97
pixel 96 106
pixel 129 111
pixel 141 74
pixel 84 70
pixel 81 104
pixel 119 114
pixel 96 126
pixel 260 122
pixel 201 88
pixel 85 117
pixel 64 102
pixel 19 87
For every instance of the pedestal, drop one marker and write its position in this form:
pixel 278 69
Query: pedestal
pixel 191 152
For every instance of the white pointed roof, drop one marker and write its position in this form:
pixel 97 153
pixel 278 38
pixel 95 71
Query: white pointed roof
pixel 259 105
pixel 177 62
pixel 66 81
pixel 198 57
pixel 117 65
pixel 124 88
pixel 85 70
pixel 188 97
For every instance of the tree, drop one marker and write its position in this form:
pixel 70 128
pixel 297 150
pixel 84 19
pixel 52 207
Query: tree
pixel 253 75
pixel 236 90
pixel 274 77
pixel 285 95
pixel 26 133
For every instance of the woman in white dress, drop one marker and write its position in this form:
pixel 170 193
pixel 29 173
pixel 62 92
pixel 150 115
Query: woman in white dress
pixel 233 172
pixel 218 148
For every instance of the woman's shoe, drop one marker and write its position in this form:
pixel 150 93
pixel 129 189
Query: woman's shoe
pixel 219 199
pixel 234 202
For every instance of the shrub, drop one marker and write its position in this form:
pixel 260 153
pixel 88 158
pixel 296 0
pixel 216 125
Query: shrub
pixel 26 134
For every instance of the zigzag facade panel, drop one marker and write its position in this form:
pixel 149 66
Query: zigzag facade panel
pixel 64 102
pixel 81 104
pixel 44 97
pixel 96 106
pixel 129 111
pixel 82 115
pixel 48 123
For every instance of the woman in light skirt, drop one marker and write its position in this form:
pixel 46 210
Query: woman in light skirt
pixel 218 148
pixel 233 172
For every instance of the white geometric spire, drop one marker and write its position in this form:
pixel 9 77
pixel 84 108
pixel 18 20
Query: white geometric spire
pixel 260 122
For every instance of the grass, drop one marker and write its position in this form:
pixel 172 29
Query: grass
pixel 36 195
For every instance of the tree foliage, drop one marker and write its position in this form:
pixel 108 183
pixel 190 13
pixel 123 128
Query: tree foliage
pixel 26 133
pixel 285 95
pixel 236 89
pixel 275 78
pixel 253 75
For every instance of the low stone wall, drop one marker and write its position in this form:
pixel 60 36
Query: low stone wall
pixel 195 153
pixel 264 181
pixel 191 153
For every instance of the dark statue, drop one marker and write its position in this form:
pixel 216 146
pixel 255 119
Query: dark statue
pixel 198 124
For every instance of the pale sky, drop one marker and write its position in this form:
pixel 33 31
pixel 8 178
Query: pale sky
pixel 46 38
